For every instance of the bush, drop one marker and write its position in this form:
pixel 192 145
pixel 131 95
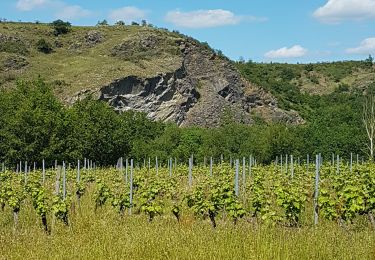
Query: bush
pixel 102 23
pixel 120 23
pixel 43 46
pixel 61 27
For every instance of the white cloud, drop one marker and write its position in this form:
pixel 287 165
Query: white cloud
pixel 295 51
pixel 127 14
pixel 204 18
pixel 72 12
pixel 60 9
pixel 28 5
pixel 367 46
pixel 336 11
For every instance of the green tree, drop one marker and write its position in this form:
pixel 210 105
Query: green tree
pixel 31 124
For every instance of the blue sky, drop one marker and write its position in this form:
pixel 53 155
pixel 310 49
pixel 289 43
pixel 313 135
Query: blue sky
pixel 260 30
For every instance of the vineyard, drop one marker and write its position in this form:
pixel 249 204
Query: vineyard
pixel 226 195
pixel 285 195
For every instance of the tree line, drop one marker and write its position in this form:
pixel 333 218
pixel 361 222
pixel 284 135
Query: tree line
pixel 35 125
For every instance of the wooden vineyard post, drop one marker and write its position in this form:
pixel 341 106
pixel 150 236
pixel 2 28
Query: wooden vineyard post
pixel 149 165
pixel 316 190
pixel 126 170
pixel 25 173
pixel 338 164
pixel 170 167
pixel 168 161
pixel 357 159
pixel 190 172
pixel 131 187
pixel 64 181
pixel 236 191
pixel 291 166
pixel 78 171
pixel 351 162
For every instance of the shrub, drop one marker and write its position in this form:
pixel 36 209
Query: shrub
pixel 120 23
pixel 102 23
pixel 43 46
pixel 61 27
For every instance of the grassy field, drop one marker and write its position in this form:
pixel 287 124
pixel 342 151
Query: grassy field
pixel 104 235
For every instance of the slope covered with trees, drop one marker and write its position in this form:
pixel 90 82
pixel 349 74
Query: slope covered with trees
pixel 34 125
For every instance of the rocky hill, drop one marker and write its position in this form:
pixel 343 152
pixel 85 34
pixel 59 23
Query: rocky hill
pixel 167 75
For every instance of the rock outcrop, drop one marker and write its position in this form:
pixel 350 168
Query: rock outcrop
pixel 204 89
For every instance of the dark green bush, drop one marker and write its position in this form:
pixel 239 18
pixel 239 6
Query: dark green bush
pixel 43 46
pixel 61 27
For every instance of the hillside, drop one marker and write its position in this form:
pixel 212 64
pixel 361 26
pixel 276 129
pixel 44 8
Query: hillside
pixel 313 89
pixel 167 75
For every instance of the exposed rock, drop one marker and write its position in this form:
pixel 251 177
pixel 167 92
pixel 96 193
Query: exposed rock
pixel 58 44
pixel 201 92
pixel 166 97
pixel 93 38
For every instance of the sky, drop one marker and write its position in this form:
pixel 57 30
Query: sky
pixel 260 30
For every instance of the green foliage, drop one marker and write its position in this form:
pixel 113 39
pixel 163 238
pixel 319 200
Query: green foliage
pixel 60 208
pixel 39 127
pixel 120 23
pixel 60 27
pixel 102 23
pixel 43 46
pixel 102 193
pixel 213 196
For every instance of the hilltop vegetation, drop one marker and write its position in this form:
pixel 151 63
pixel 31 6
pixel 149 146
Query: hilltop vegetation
pixel 82 57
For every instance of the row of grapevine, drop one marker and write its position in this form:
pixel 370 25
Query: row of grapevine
pixel 275 195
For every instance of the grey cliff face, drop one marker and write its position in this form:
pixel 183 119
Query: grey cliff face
pixel 200 92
